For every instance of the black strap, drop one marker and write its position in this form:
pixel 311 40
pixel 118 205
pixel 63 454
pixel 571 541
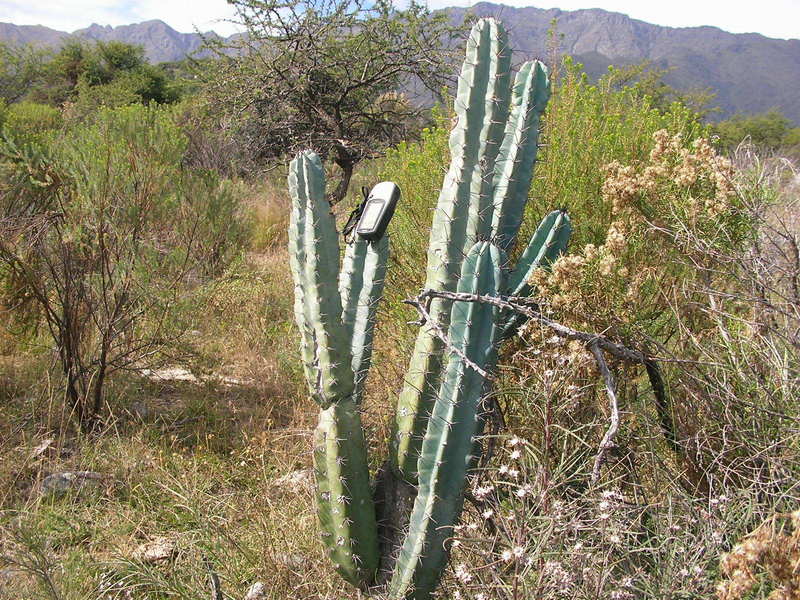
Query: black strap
pixel 354 217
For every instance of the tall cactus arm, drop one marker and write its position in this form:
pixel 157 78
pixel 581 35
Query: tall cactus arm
pixel 513 170
pixel 344 498
pixel 489 108
pixel 361 287
pixel 549 241
pixel 297 262
pixel 319 281
pixel 481 103
pixel 452 426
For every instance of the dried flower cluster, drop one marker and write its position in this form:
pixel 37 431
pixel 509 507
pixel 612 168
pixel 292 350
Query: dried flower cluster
pixel 649 204
pixel 774 547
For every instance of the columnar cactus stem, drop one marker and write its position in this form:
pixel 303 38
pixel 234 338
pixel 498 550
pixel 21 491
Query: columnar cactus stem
pixel 451 428
pixel 344 498
pixel 463 212
pixel 483 195
pixel 478 215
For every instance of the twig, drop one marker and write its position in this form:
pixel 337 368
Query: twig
pixel 425 318
pixel 608 439
pixel 521 305
pixel 216 587
pixel 595 342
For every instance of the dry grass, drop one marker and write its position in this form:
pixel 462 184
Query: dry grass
pixel 217 467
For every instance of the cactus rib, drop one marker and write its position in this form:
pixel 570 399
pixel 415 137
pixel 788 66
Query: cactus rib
pixel 361 287
pixel 547 244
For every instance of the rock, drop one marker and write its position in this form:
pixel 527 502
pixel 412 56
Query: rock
pixel 295 481
pixel 61 483
pixel 42 448
pixel 157 550
pixel 292 561
pixel 257 591
pixel 140 410
pixel 170 374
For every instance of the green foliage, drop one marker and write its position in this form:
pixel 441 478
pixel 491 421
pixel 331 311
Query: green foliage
pixel 770 131
pixel 20 68
pixel 30 122
pixel 101 74
pixel 104 231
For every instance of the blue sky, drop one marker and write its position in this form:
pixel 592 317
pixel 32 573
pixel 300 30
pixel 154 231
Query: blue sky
pixel 773 18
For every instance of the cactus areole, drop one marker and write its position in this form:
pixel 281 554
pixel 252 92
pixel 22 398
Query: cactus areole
pixel 480 209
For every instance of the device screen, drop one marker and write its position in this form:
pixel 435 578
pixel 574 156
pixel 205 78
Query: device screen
pixel 372 212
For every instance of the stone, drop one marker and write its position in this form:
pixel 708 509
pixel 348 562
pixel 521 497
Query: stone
pixel 257 591
pixel 77 481
pixel 156 550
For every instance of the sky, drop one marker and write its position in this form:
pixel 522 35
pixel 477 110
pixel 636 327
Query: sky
pixel 773 18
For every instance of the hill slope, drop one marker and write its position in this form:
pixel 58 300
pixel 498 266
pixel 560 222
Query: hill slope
pixel 749 72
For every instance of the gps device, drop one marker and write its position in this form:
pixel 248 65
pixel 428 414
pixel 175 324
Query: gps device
pixel 377 210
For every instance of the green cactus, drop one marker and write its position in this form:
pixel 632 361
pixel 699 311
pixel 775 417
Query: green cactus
pixel 452 427
pixel 487 146
pixel 336 346
pixel 480 209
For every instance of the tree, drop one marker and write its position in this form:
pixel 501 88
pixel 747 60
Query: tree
pixel 327 74
pixel 20 68
pixel 768 131
pixel 104 73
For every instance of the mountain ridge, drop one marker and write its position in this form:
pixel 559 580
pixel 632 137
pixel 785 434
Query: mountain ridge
pixel 749 72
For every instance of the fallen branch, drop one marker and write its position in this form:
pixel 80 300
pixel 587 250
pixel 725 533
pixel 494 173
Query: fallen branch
pixel 608 439
pixel 595 342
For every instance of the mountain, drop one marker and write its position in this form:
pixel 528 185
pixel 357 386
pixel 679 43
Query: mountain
pixel 750 73
pixel 161 42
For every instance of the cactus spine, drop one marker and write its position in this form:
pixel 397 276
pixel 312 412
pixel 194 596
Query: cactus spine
pixel 479 212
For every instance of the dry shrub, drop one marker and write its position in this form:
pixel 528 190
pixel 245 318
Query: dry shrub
pixel 774 547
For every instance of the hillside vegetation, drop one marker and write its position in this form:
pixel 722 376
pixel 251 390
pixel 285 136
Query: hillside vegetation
pixel 155 429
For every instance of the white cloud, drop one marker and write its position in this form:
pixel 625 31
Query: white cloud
pixel 76 14
pixel 773 18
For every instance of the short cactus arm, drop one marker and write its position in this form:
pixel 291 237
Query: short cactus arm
pixel 317 276
pixel 297 261
pixel 452 427
pixel 513 170
pixel 462 213
pixel 547 244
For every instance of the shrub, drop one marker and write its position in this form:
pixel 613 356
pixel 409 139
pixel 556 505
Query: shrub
pixel 30 121
pixel 106 234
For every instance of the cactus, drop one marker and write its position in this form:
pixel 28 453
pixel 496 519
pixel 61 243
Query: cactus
pixel 452 427
pixel 335 316
pixel 479 212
